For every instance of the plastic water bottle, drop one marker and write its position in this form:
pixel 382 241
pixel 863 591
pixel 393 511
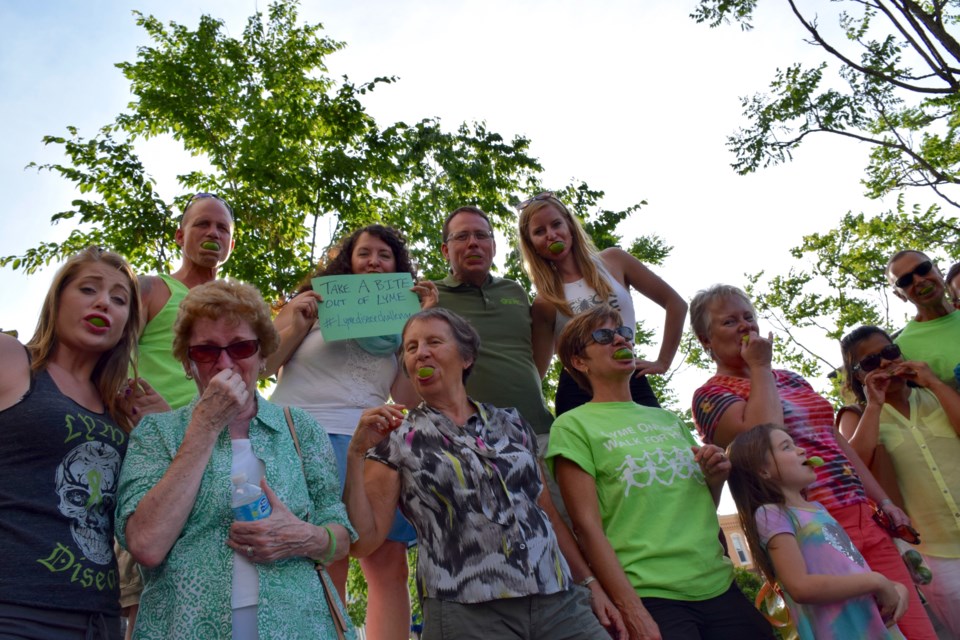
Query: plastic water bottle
pixel 248 501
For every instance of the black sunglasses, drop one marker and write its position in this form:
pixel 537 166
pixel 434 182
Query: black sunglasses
pixel 605 336
pixel 871 362
pixel 921 270
pixel 206 353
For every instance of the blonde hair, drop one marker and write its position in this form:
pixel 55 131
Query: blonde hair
pixel 543 274
pixel 235 301
pixel 112 368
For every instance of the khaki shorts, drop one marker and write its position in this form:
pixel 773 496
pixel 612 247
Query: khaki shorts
pixel 131 583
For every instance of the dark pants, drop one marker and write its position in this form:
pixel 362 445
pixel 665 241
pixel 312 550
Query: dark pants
pixel 559 616
pixel 18 622
pixel 571 396
pixel 729 616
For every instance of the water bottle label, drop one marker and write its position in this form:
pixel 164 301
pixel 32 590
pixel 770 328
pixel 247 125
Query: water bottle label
pixel 256 510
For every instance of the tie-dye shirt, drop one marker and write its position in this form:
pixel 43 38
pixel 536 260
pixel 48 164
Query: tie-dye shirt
pixel 826 550
pixel 471 492
pixel 809 421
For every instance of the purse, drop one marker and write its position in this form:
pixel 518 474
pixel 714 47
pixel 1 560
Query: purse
pixel 330 595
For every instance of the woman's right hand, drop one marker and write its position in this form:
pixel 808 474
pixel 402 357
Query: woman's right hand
pixel 892 599
pixel 375 425
pixel 875 385
pixel 757 351
pixel 640 624
pixel 225 395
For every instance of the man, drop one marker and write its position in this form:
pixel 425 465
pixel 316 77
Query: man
pixel 933 336
pixel 499 309
pixel 205 238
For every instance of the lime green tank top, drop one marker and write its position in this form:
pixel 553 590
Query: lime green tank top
pixel 157 364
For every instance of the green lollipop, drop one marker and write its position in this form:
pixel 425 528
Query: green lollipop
pixel 623 354
pixel 814 461
pixel 424 372
pixel 98 322
pixel 209 245
pixel 557 247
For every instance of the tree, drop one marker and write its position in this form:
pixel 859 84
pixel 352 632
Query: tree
pixel 840 283
pixel 289 147
pixel 897 88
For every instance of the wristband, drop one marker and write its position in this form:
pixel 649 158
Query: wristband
pixel 885 501
pixel 586 581
pixel 331 546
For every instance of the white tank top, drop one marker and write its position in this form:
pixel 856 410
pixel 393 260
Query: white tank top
pixel 581 297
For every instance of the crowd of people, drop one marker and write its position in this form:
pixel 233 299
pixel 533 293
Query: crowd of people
pixel 134 413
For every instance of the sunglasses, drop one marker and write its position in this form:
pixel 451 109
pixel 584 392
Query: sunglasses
pixel 906 279
pixel 605 336
pixel 903 531
pixel 546 195
pixel 872 361
pixel 207 353
pixel 205 196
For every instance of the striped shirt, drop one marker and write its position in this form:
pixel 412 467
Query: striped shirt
pixel 809 421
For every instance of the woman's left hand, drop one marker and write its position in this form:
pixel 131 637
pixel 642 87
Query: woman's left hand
pixel 915 371
pixel 140 399
pixel 713 462
pixel 647 368
pixel 281 535
pixel 896 514
pixel 427 291
pixel 607 613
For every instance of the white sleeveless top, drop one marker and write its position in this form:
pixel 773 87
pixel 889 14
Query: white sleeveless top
pixel 582 297
pixel 334 381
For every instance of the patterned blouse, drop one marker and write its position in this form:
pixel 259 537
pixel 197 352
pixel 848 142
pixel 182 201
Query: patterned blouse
pixel 809 421
pixel 188 594
pixel 471 493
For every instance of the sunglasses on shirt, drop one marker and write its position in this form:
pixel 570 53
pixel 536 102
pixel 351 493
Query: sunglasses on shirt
pixel 903 531
pixel 207 353
pixel 890 352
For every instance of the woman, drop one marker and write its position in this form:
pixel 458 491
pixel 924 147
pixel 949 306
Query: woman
pixel 630 475
pixel 64 420
pixel 204 577
pixel 747 391
pixel 918 425
pixel 334 382
pixel 465 474
pixel 571 276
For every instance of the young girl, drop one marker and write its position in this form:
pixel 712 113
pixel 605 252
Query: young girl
pixel 830 590
pixel 571 276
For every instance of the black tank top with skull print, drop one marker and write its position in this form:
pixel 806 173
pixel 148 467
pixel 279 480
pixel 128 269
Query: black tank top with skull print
pixel 59 468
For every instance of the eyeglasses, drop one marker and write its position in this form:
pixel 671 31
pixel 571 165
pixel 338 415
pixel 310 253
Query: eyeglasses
pixel 872 361
pixel 921 270
pixel 464 236
pixel 546 195
pixel 903 531
pixel 605 336
pixel 207 353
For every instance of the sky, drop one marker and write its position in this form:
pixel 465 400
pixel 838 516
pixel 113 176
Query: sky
pixel 634 98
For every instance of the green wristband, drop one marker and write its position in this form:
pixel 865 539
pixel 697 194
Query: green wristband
pixel 332 548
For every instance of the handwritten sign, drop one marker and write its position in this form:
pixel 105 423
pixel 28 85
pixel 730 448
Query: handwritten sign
pixel 359 306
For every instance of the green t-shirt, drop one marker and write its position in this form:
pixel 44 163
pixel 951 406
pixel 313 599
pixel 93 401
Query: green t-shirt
pixel 504 374
pixel 656 509
pixel 157 364
pixel 936 342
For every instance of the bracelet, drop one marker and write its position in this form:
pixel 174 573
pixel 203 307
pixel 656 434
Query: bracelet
pixel 331 546
pixel 586 581
pixel 886 501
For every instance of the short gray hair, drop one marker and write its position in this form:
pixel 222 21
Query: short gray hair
pixel 700 305
pixel 468 340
